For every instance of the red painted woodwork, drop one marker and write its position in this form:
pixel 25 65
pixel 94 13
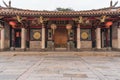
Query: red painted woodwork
pixel 85 27
pixel 60 19
pixel 58 27
pixel 36 26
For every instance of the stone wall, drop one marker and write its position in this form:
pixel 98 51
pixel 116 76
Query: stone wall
pixel 7 44
pixel 114 36
pixel 35 44
pixel 86 44
pixel 7 38
pixel 115 43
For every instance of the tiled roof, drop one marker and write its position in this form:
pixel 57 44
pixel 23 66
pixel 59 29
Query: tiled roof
pixel 22 12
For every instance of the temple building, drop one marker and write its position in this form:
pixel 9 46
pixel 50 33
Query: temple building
pixel 97 29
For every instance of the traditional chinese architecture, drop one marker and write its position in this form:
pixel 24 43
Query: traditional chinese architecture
pixel 56 30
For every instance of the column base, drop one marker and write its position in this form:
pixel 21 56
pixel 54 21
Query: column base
pixel 96 49
pixel 12 48
pixel 43 50
pixel 78 49
pixel 24 49
pixel 2 49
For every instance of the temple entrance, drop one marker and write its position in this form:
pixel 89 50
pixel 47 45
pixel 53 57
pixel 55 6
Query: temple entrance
pixel 60 38
pixel 17 37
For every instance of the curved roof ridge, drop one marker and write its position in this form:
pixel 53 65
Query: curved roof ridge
pixel 27 12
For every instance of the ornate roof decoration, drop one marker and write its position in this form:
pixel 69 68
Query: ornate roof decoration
pixel 21 12
pixel 10 11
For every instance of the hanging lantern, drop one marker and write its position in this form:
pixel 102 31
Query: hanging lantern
pixel 13 24
pixel 108 24
pixel 53 27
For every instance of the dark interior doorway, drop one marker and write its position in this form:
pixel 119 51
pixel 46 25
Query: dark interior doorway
pixel 18 38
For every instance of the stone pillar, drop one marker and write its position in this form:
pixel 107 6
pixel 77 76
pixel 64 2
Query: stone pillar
pixel 118 37
pixel 98 38
pixel 2 39
pixel 43 37
pixel 23 38
pixel 78 37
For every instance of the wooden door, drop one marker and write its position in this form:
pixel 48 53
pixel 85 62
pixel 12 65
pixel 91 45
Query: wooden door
pixel 60 38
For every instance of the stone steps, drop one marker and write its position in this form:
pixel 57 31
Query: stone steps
pixel 62 53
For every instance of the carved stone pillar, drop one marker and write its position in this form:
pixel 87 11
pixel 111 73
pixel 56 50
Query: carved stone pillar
pixel 98 38
pixel 2 39
pixel 23 38
pixel 43 37
pixel 78 37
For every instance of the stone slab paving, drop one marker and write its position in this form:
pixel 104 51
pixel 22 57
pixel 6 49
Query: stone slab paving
pixel 66 67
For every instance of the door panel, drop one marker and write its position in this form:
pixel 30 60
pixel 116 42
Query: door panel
pixel 60 38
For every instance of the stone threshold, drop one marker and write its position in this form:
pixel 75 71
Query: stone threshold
pixel 61 53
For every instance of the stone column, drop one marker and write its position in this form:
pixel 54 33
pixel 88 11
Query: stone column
pixel 43 37
pixel 98 38
pixel 118 37
pixel 78 37
pixel 2 39
pixel 23 38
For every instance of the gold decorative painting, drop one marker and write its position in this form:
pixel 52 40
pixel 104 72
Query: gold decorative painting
pixel 85 34
pixel 35 34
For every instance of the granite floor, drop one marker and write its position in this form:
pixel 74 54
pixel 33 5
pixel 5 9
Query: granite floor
pixel 37 67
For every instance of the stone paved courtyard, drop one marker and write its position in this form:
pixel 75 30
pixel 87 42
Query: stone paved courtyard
pixel 43 67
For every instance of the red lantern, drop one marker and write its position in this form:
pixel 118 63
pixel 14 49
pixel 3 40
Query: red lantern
pixel 108 24
pixel 13 24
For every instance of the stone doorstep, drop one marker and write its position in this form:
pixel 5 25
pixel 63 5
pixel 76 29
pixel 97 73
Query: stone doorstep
pixel 64 53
